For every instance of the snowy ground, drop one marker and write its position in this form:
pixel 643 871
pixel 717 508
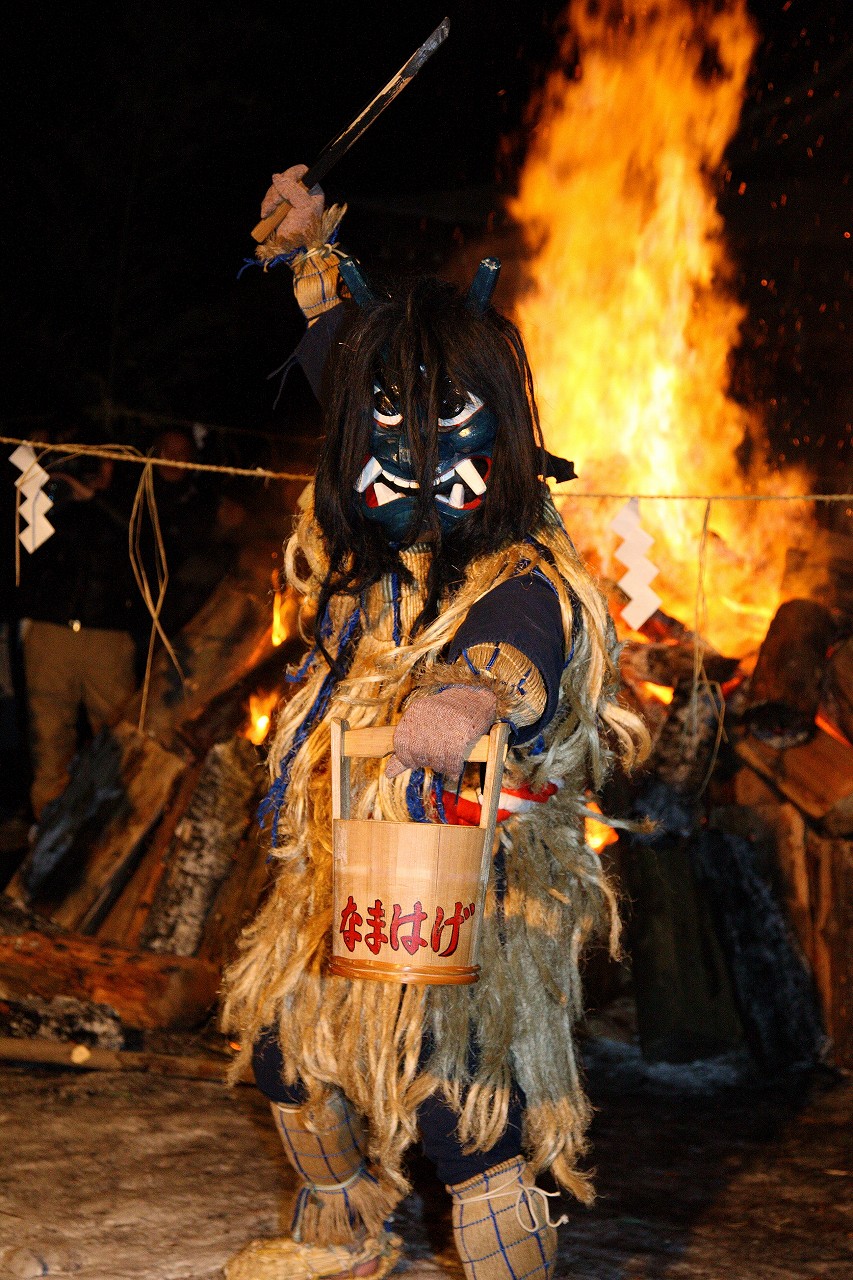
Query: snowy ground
pixel 702 1173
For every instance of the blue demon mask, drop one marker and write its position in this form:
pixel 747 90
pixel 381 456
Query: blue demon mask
pixel 387 487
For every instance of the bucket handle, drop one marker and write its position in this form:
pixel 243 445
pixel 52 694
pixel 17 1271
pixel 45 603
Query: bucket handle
pixel 364 744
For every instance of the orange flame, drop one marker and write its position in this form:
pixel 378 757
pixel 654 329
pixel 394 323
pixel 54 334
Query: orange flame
pixel 660 692
pixel 597 834
pixel 260 714
pixel 629 315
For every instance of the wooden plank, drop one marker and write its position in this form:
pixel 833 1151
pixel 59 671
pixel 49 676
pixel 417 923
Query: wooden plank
pixel 126 920
pixel 365 744
pixel 236 902
pixel 817 777
pixel 144 989
pixel 146 778
pixel 93 1058
pixel 832 913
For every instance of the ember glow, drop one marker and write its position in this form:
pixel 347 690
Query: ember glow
pixel 597 834
pixel 629 313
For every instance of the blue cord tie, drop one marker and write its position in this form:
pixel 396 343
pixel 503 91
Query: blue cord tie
pixel 275 797
pixel 414 796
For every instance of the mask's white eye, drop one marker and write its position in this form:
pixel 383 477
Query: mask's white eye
pixel 384 411
pixel 459 412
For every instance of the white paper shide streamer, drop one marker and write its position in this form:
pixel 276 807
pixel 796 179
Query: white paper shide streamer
pixel 642 601
pixel 35 526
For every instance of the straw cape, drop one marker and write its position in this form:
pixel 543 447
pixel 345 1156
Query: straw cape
pixel 389 1046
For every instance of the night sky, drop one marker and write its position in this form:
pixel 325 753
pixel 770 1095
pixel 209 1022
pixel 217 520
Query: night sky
pixel 143 137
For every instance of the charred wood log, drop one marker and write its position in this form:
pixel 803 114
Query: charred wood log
pixel 91 838
pixel 64 1018
pixel 785 688
pixel 201 852
pixel 143 989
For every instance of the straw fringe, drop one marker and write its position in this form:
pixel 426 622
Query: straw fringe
pixel 366 1037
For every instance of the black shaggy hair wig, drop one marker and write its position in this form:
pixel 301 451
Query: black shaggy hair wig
pixel 415 337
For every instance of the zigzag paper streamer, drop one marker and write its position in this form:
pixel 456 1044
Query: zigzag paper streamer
pixel 34 501
pixel 642 601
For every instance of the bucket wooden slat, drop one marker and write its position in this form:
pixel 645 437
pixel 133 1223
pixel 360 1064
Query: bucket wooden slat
pixel 408 896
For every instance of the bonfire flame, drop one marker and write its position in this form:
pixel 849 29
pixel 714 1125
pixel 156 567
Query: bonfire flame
pixel 260 713
pixel 629 315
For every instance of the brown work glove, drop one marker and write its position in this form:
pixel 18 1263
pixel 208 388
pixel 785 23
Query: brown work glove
pixel 438 730
pixel 305 214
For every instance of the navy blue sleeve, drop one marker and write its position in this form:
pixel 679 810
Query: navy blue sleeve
pixel 314 348
pixel 523 612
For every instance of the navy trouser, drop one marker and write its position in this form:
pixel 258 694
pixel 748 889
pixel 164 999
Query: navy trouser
pixel 436 1120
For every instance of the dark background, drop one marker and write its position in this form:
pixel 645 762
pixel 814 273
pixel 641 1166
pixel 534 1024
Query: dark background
pixel 141 143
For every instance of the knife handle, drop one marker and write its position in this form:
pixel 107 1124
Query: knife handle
pixel 268 225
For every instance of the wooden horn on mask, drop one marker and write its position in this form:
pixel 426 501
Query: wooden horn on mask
pixel 350 273
pixel 483 284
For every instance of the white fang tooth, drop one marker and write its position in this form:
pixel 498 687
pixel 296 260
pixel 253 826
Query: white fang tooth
pixel 469 473
pixel 384 494
pixel 371 470
pixel 457 496
pixel 401 481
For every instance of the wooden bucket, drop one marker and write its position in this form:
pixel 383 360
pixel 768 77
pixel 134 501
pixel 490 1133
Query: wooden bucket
pixel 408 896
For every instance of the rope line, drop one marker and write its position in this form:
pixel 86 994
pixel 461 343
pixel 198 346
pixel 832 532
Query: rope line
pixel 126 453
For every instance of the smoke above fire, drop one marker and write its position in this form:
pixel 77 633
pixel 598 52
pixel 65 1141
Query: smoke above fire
pixel 629 309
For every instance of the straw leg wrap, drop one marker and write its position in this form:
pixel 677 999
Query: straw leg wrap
pixel 501 1225
pixel 341 1198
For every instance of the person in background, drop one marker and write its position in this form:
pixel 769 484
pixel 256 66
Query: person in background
pixel 75 606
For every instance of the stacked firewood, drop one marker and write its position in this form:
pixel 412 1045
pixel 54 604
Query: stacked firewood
pixel 145 870
pixel 741 900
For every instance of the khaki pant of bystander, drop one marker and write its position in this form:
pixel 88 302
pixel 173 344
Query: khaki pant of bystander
pixel 65 669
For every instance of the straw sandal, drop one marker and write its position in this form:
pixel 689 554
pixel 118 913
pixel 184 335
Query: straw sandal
pixel 282 1258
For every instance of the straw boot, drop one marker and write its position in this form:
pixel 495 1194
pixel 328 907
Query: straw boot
pixel 337 1228
pixel 500 1228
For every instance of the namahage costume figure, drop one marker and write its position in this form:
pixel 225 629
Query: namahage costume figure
pixel 444 594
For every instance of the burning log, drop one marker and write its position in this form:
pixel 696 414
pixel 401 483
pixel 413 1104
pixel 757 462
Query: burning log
pixel 201 852
pixel 817 777
pixel 839 691
pixel 785 689
pixel 683 754
pixel 144 990
pixel 670 663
